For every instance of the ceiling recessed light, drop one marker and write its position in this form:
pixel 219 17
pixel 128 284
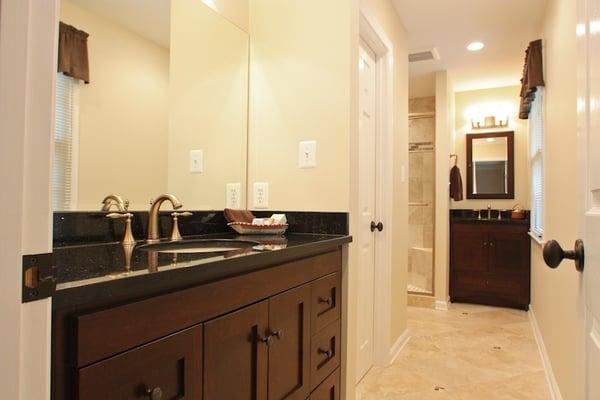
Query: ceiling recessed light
pixel 475 46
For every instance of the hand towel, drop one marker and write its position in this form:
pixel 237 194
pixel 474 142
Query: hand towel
pixel 456 187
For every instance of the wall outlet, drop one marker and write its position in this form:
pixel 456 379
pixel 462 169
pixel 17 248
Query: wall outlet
pixel 233 195
pixel 196 161
pixel 307 154
pixel 261 195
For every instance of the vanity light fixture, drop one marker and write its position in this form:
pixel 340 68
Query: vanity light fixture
pixel 475 46
pixel 489 122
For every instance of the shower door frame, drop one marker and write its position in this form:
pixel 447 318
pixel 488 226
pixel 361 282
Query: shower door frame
pixel 426 115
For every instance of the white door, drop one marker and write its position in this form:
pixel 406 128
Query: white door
pixel 589 138
pixel 367 195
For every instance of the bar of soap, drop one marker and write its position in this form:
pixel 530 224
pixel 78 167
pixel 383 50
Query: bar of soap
pixel 279 219
pixel 262 221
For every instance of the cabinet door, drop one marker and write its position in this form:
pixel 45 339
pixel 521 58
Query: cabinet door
pixel 509 251
pixel 469 248
pixel 235 355
pixel 169 369
pixel 289 353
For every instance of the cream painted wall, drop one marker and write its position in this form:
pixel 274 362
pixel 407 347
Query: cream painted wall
pixel 300 90
pixel 385 14
pixel 510 96
pixel 208 105
pixel 123 113
pixel 555 292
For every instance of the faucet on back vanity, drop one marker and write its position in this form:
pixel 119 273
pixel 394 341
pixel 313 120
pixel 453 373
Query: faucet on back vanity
pixel 153 235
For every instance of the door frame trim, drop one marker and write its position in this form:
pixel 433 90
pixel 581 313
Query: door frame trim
pixel 377 40
pixel 28 57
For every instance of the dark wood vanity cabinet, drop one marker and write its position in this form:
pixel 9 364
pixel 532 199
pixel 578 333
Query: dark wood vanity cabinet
pixel 274 334
pixel 490 264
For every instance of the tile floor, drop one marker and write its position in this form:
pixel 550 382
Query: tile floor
pixel 467 353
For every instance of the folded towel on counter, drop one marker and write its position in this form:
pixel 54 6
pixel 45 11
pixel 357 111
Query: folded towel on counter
pixel 456 186
pixel 238 215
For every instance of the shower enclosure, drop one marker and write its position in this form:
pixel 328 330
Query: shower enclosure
pixel 421 197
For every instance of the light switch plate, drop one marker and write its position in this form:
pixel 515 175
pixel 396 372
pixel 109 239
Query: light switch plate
pixel 234 195
pixel 196 161
pixel 307 154
pixel 261 195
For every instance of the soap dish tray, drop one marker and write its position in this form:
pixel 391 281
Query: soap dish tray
pixel 246 228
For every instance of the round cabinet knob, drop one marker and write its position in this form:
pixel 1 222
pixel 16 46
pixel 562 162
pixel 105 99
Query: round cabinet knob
pixel 327 353
pixel 154 394
pixel 554 254
pixel 326 300
pixel 278 334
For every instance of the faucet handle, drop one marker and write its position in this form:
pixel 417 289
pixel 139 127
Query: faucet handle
pixel 175 235
pixel 128 236
pixel 119 215
pixel 177 214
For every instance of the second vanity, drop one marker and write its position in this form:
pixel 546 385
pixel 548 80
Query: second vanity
pixel 489 259
pixel 167 325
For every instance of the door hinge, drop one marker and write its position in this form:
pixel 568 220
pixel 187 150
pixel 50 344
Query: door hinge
pixel 39 277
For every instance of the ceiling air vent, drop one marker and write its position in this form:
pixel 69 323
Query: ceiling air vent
pixel 424 55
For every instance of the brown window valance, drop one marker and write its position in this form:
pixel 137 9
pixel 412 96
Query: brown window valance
pixel 533 76
pixel 73 53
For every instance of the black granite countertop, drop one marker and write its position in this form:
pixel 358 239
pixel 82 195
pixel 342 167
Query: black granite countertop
pixel 106 273
pixel 472 216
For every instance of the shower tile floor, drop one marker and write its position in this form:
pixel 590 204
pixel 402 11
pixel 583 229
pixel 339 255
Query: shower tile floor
pixel 467 353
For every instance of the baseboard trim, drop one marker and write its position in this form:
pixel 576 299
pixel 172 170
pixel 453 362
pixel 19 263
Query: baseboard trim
pixel 442 305
pixel 399 346
pixel 539 340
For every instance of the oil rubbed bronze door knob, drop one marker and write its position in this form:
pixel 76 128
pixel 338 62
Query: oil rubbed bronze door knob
pixel 554 254
pixel 378 226
pixel 154 394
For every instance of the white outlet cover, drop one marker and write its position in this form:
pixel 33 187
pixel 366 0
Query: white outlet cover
pixel 307 154
pixel 197 161
pixel 261 195
pixel 233 195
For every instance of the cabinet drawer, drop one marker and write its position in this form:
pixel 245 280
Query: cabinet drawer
pixel 325 353
pixel 329 389
pixel 325 301
pixel 172 366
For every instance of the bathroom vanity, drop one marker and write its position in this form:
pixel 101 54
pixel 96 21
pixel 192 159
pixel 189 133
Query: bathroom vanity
pixel 146 324
pixel 489 260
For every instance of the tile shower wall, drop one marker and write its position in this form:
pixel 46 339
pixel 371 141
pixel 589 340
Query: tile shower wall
pixel 421 195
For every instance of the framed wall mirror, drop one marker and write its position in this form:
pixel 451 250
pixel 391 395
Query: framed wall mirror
pixel 165 108
pixel 491 166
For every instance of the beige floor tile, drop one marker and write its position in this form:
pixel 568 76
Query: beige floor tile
pixel 470 352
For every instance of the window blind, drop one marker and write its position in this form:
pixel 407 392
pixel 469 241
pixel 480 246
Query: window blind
pixel 536 138
pixel 65 137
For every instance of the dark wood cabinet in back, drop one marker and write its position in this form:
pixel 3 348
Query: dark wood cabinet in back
pixel 490 264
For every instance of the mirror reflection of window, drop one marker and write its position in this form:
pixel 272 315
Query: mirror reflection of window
pixel 164 81
pixel 490 162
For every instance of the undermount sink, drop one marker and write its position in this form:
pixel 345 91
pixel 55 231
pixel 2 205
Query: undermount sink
pixel 199 246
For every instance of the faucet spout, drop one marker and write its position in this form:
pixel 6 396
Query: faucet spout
pixel 153 236
pixel 114 200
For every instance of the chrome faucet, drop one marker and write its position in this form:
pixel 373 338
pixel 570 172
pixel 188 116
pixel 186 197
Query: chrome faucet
pixel 153 215
pixel 114 200
pixel 489 211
